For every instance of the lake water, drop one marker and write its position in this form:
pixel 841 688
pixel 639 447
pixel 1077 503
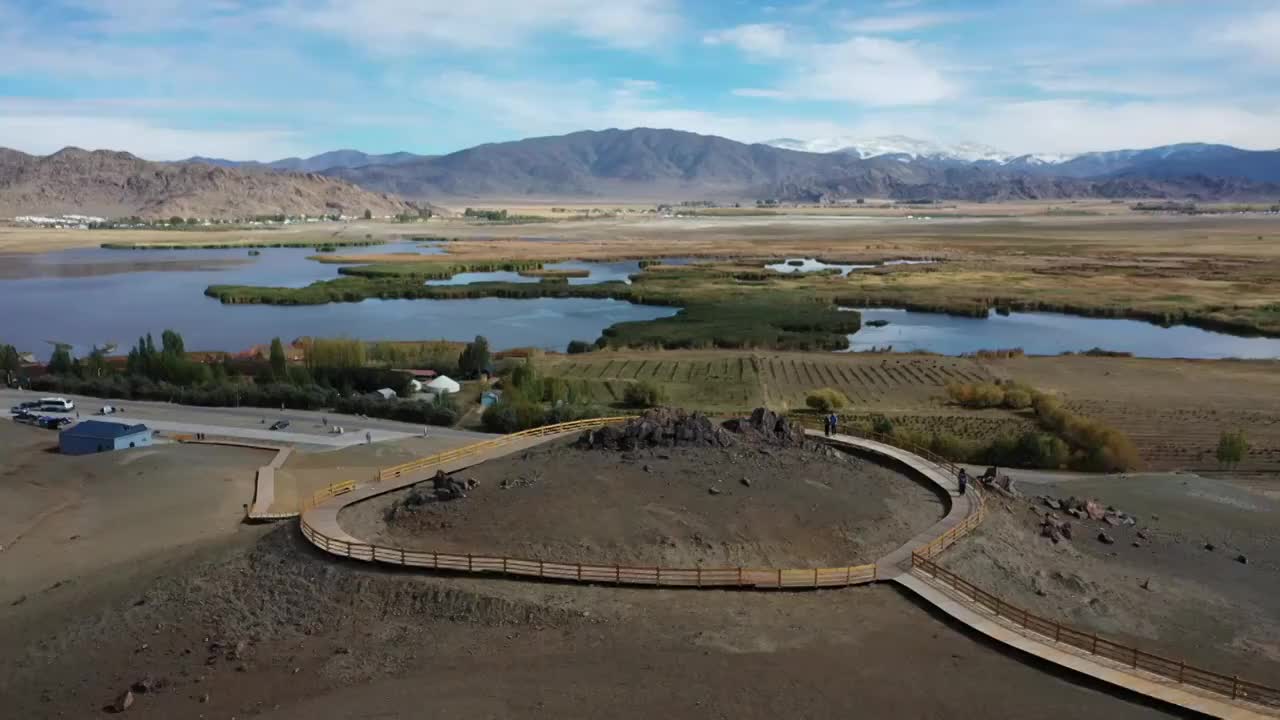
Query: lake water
pixel 598 272
pixel 95 296
pixel 1049 334
pixel 808 265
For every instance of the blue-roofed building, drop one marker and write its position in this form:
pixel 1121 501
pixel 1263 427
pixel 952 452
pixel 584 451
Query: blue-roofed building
pixel 95 436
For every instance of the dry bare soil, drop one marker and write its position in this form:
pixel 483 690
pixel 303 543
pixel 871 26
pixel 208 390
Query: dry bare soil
pixel 802 508
pixel 1201 602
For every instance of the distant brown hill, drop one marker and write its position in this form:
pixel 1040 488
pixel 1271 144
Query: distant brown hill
pixel 116 184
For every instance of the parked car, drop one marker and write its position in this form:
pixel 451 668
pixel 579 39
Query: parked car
pixel 53 423
pixel 108 410
pixel 279 425
pixel 24 407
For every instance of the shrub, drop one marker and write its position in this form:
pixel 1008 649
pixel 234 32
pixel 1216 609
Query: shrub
pixel 1233 446
pixel 976 395
pixel 882 425
pixel 1017 399
pixel 642 394
pixel 579 346
pixel 508 416
pixel 826 400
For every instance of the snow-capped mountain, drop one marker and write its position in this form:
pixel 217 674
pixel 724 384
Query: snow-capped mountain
pixel 900 145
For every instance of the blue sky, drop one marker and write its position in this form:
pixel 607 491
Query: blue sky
pixel 262 79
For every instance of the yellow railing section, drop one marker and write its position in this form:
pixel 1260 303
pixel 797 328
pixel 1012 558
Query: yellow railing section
pixel 398 471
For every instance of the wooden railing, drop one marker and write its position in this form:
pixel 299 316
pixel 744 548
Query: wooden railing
pixel 763 578
pixel 1231 686
pixel 760 578
pixel 414 466
pixel 813 421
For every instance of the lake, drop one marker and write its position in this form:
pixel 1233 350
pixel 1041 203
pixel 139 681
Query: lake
pixel 598 272
pixel 1049 334
pixel 94 296
pixel 808 265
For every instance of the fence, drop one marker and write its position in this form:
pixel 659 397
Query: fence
pixel 812 421
pixel 760 578
pixel 398 471
pixel 1177 670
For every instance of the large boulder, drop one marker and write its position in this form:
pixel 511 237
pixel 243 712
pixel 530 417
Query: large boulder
pixel 767 426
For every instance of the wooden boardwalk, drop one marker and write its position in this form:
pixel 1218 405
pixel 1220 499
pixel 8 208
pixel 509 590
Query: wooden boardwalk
pixel 321 527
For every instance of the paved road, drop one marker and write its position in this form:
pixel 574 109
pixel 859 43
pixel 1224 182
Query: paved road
pixel 248 422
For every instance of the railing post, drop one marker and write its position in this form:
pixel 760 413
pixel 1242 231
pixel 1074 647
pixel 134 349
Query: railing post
pixel 504 565
pixel 1135 658
pixel 999 604
pixel 617 574
pixel 657 576
pixel 848 574
pixel 1182 666
pixel 468 562
pixel 402 562
pixel 1057 631
pixel 1235 687
pixel 1094 651
pixel 579 572
pixel 739 574
pixel 699 576
pixel 815 577
pixel 541 569
pixel 435 559
pixel 779 577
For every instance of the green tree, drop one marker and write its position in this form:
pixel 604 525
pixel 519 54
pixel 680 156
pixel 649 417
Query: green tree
pixel 96 364
pixel 10 361
pixel 171 343
pixel 60 361
pixel 176 220
pixel 279 364
pixel 1233 446
pixel 368 214
pixel 475 357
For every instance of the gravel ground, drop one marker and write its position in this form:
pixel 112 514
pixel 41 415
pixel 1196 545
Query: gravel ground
pixel 747 505
pixel 1201 604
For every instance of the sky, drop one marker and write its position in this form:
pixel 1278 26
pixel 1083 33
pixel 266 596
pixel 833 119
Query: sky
pixel 265 79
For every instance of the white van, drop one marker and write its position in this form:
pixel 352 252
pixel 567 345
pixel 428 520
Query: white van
pixel 56 404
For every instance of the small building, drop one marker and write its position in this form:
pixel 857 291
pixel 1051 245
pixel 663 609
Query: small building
pixel 385 393
pixel 444 385
pixel 95 436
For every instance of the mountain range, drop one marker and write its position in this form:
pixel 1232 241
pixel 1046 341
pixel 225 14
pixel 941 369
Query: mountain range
pixel 636 164
pixel 117 184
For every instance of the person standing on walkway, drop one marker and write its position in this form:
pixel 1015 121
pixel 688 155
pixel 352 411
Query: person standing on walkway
pixel 826 425
pixel 368 438
pixel 962 479
pixel 834 421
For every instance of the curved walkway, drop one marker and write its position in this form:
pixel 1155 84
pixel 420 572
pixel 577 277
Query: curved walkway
pixel 319 523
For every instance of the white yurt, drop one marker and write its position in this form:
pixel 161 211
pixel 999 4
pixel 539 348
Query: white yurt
pixel 443 385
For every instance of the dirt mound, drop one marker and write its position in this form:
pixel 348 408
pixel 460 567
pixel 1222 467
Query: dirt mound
pixel 661 427
pixel 769 427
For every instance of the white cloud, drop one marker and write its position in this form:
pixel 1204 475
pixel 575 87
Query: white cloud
pixel 1079 126
pixel 761 41
pixel 905 22
pixel 536 108
pixel 1258 35
pixel 870 71
pixel 406 26
pixel 42 134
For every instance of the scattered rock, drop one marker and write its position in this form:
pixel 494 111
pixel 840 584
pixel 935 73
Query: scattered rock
pixel 713 490
pixel 239 650
pixel 1136 544
pixel 204 698
pixel 660 427
pixel 1112 519
pixel 342 650
pixel 124 702
pixel 1146 585
pixel 746 481
pixel 1054 528
pixel 147 684
pixel 1210 546
pixel 1142 535
pixel 1242 559
pixel 1052 502
pixel 1105 539
pixel 646 468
